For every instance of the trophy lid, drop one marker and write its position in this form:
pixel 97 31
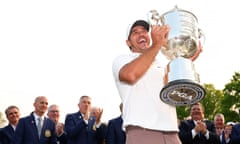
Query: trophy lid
pixel 176 9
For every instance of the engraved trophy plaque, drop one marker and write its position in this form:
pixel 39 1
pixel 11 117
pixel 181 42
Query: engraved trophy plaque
pixel 181 82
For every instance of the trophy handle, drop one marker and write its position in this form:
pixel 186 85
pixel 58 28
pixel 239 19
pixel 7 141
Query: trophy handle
pixel 201 36
pixel 154 18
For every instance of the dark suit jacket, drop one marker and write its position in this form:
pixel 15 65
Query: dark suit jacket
pixel 26 132
pixel 185 133
pixel 102 131
pixel 8 134
pixel 62 139
pixel 235 134
pixel 223 141
pixel 115 133
pixel 3 137
pixel 78 132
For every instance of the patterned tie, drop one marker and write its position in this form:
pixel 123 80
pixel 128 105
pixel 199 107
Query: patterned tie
pixel 39 126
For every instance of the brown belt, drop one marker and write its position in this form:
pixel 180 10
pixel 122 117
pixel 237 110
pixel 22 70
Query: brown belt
pixel 131 127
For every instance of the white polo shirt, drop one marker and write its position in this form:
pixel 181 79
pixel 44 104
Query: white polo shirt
pixel 142 105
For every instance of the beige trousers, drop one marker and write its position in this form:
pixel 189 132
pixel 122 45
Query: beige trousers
pixel 138 135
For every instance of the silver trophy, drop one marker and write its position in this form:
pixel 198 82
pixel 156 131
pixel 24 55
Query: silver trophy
pixel 181 82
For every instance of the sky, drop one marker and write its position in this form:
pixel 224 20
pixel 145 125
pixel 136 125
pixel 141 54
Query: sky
pixel 64 49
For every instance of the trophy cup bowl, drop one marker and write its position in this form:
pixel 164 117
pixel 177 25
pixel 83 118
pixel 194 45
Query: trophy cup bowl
pixel 181 81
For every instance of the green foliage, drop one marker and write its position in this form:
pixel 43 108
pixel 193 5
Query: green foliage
pixel 230 105
pixel 183 112
pixel 226 101
pixel 211 101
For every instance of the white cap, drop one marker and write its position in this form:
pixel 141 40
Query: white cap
pixel 139 22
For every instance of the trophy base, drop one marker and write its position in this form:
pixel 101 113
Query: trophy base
pixel 182 92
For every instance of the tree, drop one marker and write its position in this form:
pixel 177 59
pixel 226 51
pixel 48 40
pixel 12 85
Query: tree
pixel 183 112
pixel 230 105
pixel 212 101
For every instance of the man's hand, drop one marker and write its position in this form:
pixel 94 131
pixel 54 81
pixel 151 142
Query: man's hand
pixel 200 127
pixel 159 35
pixel 197 53
pixel 99 115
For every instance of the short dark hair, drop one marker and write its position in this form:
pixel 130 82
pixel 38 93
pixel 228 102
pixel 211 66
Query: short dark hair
pixel 10 107
pixel 198 103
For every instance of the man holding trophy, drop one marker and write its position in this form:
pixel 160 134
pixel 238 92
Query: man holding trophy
pixel 140 78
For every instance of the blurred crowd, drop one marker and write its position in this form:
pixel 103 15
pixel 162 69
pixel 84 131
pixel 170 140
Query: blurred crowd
pixel 85 126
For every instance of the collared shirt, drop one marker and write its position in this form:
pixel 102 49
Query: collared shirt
pixel 13 126
pixel 142 105
pixel 86 121
pixel 36 118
